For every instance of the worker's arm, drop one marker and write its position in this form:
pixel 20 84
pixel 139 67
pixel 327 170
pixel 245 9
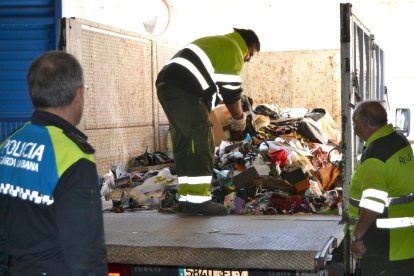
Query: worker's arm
pixel 238 120
pixel 80 219
pixel 366 219
pixel 235 109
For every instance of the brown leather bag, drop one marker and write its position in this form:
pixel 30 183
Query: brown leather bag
pixel 326 176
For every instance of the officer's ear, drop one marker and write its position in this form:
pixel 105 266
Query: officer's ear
pixel 79 94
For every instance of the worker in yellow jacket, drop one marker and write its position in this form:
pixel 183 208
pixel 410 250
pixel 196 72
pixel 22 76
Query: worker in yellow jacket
pixel 381 195
pixel 196 78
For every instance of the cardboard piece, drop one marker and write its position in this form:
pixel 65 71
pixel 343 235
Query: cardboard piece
pixel 297 178
pixel 220 118
pixel 272 183
pixel 246 178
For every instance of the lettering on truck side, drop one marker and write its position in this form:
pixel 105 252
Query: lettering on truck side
pixel 210 272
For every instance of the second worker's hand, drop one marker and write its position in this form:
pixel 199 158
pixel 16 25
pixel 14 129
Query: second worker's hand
pixel 358 249
pixel 238 124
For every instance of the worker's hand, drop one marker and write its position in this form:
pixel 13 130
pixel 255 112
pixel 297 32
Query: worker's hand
pixel 358 249
pixel 238 125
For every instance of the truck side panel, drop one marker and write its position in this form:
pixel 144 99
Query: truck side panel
pixel 362 78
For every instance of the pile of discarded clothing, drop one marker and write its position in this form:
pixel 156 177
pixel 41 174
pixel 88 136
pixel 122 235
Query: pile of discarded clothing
pixel 142 185
pixel 289 162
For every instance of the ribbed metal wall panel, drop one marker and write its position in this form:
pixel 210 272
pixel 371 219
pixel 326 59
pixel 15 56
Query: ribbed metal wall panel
pixel 27 29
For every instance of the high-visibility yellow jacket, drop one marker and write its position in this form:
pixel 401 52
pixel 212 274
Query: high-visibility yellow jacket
pixel 208 65
pixel 382 182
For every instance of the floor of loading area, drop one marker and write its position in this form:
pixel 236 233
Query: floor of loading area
pixel 284 242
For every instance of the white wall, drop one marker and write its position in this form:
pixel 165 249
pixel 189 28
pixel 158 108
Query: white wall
pixel 280 24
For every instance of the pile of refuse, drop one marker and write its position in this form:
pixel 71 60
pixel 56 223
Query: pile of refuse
pixel 288 162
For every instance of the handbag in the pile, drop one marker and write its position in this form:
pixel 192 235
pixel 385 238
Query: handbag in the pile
pixel 151 159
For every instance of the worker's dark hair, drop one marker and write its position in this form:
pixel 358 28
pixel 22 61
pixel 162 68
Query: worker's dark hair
pixel 249 37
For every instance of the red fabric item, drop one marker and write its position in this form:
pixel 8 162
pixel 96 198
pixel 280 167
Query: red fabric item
pixel 280 201
pixel 284 202
pixel 279 156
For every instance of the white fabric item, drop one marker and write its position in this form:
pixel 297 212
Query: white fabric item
pixel 330 128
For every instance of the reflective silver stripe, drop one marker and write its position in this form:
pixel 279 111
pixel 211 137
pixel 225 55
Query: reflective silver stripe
pixel 203 57
pixel 207 63
pixel 390 201
pixel 390 223
pixel 214 99
pixel 232 87
pixel 194 180
pixel 182 180
pixel 227 78
pixel 210 69
pixel 192 69
pixel 194 199
pixel 199 179
pixel 381 195
pixel 372 205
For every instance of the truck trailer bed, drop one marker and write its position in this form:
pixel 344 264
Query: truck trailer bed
pixel 275 242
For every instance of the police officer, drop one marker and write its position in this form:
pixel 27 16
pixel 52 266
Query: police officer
pixel 50 206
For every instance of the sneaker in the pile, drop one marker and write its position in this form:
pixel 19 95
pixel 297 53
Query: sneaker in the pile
pixel 207 208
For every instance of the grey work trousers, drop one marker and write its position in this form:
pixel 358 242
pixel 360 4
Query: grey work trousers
pixel 191 130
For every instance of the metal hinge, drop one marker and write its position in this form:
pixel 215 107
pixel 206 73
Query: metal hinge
pixel 324 256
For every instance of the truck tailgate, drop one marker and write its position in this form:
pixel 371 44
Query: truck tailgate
pixel 277 242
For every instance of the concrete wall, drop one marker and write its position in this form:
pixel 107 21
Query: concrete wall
pixel 122 115
pixel 296 79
